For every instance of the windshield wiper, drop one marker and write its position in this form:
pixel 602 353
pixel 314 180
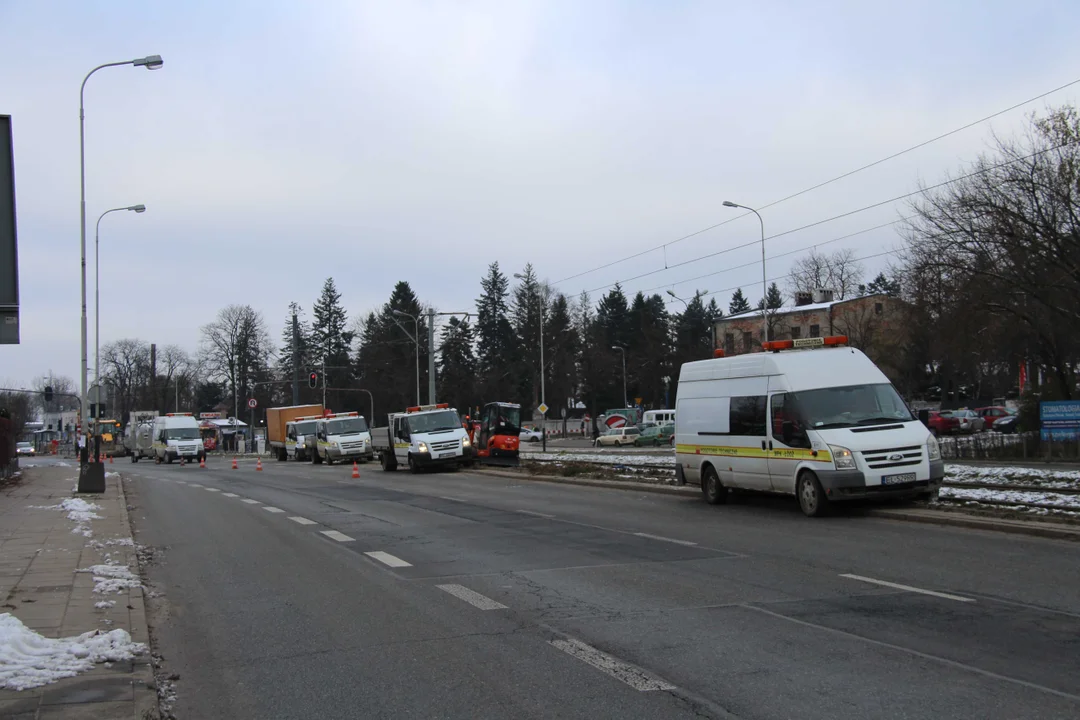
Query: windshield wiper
pixel 879 421
pixel 829 426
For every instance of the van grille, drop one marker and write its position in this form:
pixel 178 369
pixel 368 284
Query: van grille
pixel 442 446
pixel 352 446
pixel 893 457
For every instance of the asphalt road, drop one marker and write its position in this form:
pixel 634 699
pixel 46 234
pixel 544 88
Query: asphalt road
pixel 456 595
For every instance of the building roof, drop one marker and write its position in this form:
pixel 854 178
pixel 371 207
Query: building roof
pixel 790 309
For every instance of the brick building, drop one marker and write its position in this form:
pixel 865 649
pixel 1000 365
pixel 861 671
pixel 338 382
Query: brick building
pixel 873 323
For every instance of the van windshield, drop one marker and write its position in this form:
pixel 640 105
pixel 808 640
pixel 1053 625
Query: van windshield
pixel 182 434
pixel 849 406
pixel 434 421
pixel 346 426
pixel 305 428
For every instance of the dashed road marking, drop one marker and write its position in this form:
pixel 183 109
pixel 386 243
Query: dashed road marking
pixel 212 490
pixel 335 535
pixel 303 520
pixel 473 598
pixel 444 497
pixel 633 676
pixel 181 482
pixel 387 559
pixel 665 539
pixel 230 494
pixel 195 485
pixel 535 514
pixel 270 508
pixel 909 588
pixel 249 501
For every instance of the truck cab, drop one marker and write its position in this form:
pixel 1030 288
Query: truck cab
pixel 341 436
pixel 422 437
pixel 176 437
pixel 297 435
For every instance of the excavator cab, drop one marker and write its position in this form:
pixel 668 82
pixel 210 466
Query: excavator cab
pixel 496 441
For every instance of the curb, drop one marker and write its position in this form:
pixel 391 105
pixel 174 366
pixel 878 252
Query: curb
pixel 1014 527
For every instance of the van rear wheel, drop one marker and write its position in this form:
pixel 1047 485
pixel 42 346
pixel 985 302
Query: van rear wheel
pixel 711 488
pixel 812 499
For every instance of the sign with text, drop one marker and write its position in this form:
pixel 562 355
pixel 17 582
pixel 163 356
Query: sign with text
pixel 1060 419
pixel 9 254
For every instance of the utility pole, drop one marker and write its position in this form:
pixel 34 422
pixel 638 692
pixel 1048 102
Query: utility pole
pixel 324 383
pixel 295 360
pixel 431 355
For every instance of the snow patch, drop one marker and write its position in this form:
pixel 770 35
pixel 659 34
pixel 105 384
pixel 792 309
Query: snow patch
pixel 1018 497
pixel 104 604
pixel 111 578
pixel 29 660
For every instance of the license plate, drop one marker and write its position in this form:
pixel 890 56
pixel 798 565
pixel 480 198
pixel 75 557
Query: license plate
pixel 447 454
pixel 897 479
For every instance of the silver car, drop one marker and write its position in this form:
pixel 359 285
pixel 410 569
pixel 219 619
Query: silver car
pixel 618 437
pixel 970 421
pixel 24 448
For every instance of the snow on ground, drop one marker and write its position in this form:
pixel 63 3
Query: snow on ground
pixel 1019 497
pixel 111 578
pixel 998 475
pixel 79 511
pixel 29 660
pixel 658 461
pixel 104 604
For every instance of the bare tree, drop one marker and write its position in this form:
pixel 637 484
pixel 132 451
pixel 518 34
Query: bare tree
pixel 839 272
pixel 236 347
pixel 126 365
pixel 65 395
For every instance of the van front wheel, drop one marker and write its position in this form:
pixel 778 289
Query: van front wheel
pixel 711 488
pixel 812 500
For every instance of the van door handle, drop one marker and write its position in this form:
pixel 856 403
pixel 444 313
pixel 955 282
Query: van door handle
pixel 763 445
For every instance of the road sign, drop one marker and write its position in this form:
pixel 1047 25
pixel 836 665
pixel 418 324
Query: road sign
pixel 252 404
pixel 637 401
pixel 543 408
pixel 1060 420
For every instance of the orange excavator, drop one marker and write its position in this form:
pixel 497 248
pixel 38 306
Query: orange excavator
pixel 495 434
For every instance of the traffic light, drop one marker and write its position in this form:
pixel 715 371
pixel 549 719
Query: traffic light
pixel 313 380
pixel 48 393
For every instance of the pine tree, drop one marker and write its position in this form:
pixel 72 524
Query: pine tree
pixel 285 357
pixel 561 350
pixel 528 305
pixel 457 366
pixel 881 284
pixel 648 353
pixel 774 299
pixel 330 344
pixel 738 304
pixel 612 329
pixel 386 353
pixel 497 353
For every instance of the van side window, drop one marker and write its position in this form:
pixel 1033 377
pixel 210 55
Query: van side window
pixel 787 426
pixel 747 416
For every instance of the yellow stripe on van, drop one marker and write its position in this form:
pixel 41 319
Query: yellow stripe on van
pixel 748 452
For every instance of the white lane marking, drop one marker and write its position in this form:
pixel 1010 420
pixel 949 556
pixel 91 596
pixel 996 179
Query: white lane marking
pixel 249 501
pixel 230 494
pixel 473 598
pixel 195 485
pixel 909 588
pixel 303 520
pixel 270 508
pixel 181 482
pixel 444 497
pixel 387 559
pixel 665 539
pixel 335 535
pixel 212 490
pixel 535 514
pixel 633 676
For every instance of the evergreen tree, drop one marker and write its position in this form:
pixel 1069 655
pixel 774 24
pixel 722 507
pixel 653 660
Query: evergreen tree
pixel 738 304
pixel 285 358
pixel 497 355
pixel 528 306
pixel 774 299
pixel 561 349
pixel 881 284
pixel 611 329
pixel 648 352
pixel 386 356
pixel 457 366
pixel 330 344
pixel 692 331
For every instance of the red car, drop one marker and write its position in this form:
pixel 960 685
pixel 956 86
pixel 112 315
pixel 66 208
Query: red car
pixel 992 414
pixel 943 423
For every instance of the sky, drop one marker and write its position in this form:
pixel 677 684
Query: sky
pixel 285 142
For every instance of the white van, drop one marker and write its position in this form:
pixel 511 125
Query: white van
pixel 340 437
pixel 822 424
pixel 176 436
pixel 658 417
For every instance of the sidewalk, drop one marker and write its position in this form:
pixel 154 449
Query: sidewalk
pixel 42 545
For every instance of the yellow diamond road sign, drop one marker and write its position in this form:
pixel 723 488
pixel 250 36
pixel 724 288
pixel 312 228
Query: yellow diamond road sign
pixel 543 409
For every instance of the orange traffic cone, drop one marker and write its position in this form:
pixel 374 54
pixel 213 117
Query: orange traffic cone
pixel 110 460
pixel 258 465
pixel 181 461
pixel 355 471
pixel 202 462
pixel 234 463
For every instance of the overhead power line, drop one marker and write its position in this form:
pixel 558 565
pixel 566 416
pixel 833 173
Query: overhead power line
pixel 826 182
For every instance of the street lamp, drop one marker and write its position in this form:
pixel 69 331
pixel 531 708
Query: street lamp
pixel 672 294
pixel 415 339
pixel 764 283
pixel 543 397
pixel 97 319
pixel 625 399
pixel 150 62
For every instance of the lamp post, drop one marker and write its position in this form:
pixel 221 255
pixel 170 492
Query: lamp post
pixel 764 282
pixel 416 339
pixel 150 62
pixel 625 399
pixel 97 319
pixel 543 396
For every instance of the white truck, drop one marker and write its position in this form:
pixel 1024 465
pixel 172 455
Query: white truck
pixel 340 437
pixel 176 437
pixel 423 436
pixel 138 436
pixel 299 434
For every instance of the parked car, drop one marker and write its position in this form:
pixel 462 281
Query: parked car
pixel 655 436
pixel 24 448
pixel 970 421
pixel 943 422
pixel 1007 424
pixel 992 414
pixel 618 437
pixel 528 434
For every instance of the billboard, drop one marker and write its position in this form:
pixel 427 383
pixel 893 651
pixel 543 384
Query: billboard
pixel 9 256
pixel 1060 419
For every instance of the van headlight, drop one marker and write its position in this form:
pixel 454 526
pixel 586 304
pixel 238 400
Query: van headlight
pixel 843 458
pixel 422 447
pixel 465 442
pixel 933 450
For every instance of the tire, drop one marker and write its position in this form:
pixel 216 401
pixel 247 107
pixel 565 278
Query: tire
pixel 812 499
pixel 389 462
pixel 329 460
pixel 618 443
pixel 282 456
pixel 134 458
pixel 316 458
pixel 712 490
pixel 414 467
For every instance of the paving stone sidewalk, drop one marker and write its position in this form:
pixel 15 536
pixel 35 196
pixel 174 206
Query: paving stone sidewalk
pixel 39 556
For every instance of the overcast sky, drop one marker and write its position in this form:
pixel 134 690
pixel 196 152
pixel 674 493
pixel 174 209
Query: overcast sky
pixel 382 141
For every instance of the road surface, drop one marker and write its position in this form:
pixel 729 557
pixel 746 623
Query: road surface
pixel 299 592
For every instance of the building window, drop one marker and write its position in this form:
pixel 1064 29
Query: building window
pixel 747 341
pixel 796 333
pixel 815 331
pixel 729 343
pixel 878 307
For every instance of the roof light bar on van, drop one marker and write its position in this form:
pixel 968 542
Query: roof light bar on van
pixel 306 417
pixel 342 415
pixel 177 414
pixel 831 341
pixel 424 408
